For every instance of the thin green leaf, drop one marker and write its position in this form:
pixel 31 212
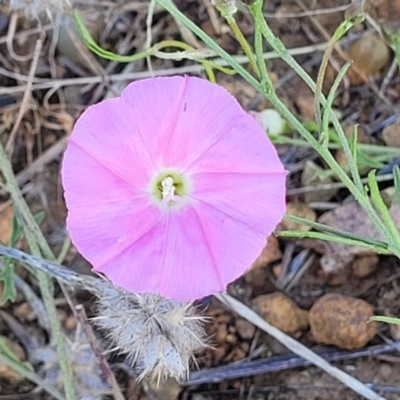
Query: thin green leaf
pixel 396 176
pixel 39 217
pixel 4 349
pixel 383 211
pixel 7 273
pixel 333 238
pixel 328 105
pixel 364 160
pixel 95 48
pixel 353 141
pixel 334 231
pixel 17 231
pixel 7 277
pixel 338 34
pixel 391 34
pixel 388 320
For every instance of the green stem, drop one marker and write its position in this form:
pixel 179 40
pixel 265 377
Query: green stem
pixel 279 47
pixel 342 137
pixel 389 152
pixel 188 51
pixel 339 33
pixel 332 238
pixel 242 41
pixel 39 246
pixel 383 210
pixel 334 231
pixel 266 81
pixel 171 8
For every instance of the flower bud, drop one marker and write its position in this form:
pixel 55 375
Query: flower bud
pixel 226 7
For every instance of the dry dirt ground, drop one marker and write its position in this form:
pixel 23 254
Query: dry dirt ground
pixel 369 96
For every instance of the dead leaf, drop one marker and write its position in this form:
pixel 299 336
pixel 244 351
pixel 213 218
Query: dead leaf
pixel 305 104
pixel 6 221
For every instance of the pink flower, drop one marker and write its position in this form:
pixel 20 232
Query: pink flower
pixel 171 188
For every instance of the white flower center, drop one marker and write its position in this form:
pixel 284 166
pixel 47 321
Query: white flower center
pixel 168 190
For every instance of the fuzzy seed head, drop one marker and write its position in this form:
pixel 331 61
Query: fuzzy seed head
pixel 160 336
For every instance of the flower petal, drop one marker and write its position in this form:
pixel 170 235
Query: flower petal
pixel 254 200
pixel 244 148
pixel 106 132
pixel 194 252
pixel 91 184
pixel 184 116
pixel 171 259
pixel 101 233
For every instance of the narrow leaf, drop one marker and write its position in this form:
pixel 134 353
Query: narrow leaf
pixel 388 320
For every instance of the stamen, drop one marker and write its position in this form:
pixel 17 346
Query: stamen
pixel 168 190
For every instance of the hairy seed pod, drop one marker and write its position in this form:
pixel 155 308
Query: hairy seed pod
pixel 160 336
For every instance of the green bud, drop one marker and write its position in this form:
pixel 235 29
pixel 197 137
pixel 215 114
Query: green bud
pixel 226 7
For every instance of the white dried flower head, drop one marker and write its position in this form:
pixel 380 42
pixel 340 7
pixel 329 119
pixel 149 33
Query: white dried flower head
pixel 37 8
pixel 159 335
pixel 89 381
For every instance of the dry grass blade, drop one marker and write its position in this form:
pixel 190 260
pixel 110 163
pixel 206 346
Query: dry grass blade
pixel 81 315
pixel 128 76
pixel 39 163
pixel 297 347
pixel 26 97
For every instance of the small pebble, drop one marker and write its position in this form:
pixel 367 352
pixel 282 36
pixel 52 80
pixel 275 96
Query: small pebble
pixel 282 312
pixel 364 266
pixel 342 321
pixel 221 333
pixel 245 329
pixel 231 338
